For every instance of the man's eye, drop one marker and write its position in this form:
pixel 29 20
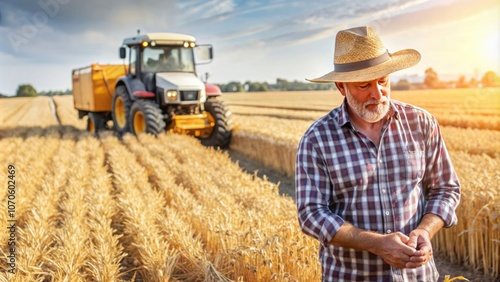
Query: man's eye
pixel 363 86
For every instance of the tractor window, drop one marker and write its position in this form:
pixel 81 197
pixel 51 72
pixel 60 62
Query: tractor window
pixel 168 59
pixel 133 59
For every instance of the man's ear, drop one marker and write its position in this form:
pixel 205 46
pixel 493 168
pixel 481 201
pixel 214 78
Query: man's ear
pixel 340 87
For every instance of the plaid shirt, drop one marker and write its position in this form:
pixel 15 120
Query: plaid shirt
pixel 341 175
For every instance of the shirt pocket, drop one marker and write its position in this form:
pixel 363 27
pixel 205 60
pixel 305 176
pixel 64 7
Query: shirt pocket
pixel 415 164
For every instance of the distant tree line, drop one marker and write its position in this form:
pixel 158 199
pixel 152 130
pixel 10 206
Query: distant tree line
pixel 27 90
pixel 432 81
pixel 489 79
pixel 280 85
pixel 56 92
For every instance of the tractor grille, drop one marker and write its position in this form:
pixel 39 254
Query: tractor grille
pixel 191 95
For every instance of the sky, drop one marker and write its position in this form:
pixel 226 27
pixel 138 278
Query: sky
pixel 257 40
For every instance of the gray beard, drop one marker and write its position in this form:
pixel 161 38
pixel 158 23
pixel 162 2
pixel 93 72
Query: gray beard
pixel 365 114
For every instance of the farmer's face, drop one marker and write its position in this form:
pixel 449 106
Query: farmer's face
pixel 369 100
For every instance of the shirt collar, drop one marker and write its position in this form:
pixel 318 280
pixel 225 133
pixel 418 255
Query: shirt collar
pixel 343 115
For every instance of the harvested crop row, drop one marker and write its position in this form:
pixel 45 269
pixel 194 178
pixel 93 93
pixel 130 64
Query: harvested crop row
pixel 104 260
pixel 472 141
pixel 70 252
pixel 139 210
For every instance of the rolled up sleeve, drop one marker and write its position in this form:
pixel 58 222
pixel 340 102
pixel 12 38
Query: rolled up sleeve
pixel 442 184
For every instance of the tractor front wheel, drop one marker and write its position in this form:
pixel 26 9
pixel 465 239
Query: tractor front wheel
pixel 221 133
pixel 120 109
pixel 146 117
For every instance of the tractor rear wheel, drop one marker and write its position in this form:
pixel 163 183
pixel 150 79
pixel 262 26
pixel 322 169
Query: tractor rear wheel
pixel 146 117
pixel 120 109
pixel 96 122
pixel 221 133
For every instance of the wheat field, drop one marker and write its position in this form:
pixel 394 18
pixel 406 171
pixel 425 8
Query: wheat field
pixel 108 208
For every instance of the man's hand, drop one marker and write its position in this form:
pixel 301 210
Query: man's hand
pixel 419 240
pixel 395 250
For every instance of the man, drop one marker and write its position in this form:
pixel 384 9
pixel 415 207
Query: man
pixel 374 181
pixel 167 62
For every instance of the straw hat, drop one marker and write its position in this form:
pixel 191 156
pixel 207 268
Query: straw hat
pixel 361 56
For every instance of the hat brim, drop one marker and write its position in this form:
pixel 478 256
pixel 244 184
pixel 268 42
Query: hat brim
pixel 399 60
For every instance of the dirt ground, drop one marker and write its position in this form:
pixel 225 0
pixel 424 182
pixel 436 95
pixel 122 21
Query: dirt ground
pixel 287 187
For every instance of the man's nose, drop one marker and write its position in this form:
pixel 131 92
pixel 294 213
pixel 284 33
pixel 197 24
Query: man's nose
pixel 377 91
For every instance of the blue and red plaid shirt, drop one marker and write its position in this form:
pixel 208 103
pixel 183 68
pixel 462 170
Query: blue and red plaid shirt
pixel 341 175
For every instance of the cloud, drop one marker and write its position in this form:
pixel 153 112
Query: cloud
pixel 329 17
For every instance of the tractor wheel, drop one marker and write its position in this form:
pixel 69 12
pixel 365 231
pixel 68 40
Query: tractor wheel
pixel 221 133
pixel 96 123
pixel 146 117
pixel 120 109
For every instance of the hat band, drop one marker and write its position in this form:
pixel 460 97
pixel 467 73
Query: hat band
pixel 362 64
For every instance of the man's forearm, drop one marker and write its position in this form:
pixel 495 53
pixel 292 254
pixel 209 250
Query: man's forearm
pixel 431 223
pixel 349 236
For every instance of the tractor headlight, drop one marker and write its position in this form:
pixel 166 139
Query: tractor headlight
pixel 189 44
pixel 171 95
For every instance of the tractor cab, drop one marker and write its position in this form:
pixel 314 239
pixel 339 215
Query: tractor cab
pixel 162 61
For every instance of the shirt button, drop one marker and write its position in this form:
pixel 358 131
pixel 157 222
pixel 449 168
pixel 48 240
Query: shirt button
pixel 387 213
pixel 380 161
pixel 389 231
pixel 383 190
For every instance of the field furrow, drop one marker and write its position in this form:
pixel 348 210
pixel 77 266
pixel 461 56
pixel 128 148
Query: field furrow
pixel 67 114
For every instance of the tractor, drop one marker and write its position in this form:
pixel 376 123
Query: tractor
pixel 157 91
